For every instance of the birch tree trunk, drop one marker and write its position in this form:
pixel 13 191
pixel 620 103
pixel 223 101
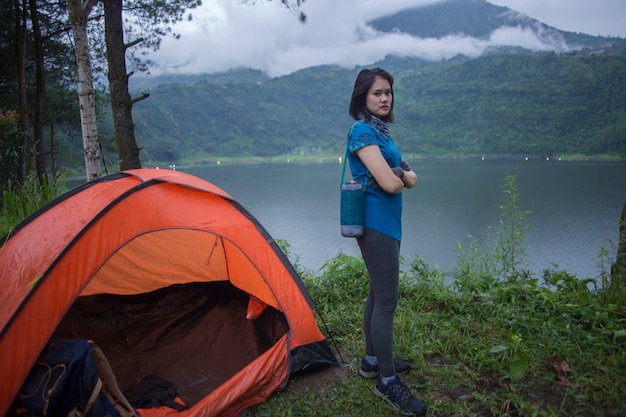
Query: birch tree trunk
pixel 78 14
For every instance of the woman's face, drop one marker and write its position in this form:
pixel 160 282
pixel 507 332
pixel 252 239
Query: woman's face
pixel 379 98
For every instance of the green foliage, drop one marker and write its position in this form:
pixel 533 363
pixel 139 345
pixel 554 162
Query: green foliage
pixel 613 271
pixel 476 270
pixel 9 146
pixel 480 264
pixel 423 274
pixel 520 104
pixel 545 350
pixel 21 200
pixel 293 258
pixel 514 356
pixel 511 249
pixel 344 275
pixel 519 348
pixel 341 290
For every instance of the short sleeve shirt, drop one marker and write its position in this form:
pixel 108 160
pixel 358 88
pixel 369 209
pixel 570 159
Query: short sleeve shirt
pixel 383 211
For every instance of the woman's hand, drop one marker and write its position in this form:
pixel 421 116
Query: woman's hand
pixel 409 179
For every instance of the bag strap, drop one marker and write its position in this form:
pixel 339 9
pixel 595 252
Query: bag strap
pixel 92 400
pixel 345 157
pixel 343 169
pixel 109 380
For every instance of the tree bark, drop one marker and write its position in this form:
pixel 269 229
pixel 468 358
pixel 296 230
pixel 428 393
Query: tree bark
pixel 121 102
pixel 40 88
pixel 20 61
pixel 618 269
pixel 78 19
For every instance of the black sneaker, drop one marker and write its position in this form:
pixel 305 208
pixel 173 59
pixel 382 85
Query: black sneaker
pixel 399 396
pixel 371 371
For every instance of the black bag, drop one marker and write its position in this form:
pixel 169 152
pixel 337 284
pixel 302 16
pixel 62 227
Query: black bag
pixel 154 391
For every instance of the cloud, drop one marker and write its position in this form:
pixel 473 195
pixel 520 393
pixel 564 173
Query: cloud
pixel 227 34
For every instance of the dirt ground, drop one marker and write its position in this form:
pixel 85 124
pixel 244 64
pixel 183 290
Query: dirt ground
pixel 320 381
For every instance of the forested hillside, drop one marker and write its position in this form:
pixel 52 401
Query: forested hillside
pixel 533 104
pixel 538 104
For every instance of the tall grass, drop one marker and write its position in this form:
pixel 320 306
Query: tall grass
pixel 490 259
pixel 612 270
pixel 21 200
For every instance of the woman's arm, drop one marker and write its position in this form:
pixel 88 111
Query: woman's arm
pixel 410 177
pixel 388 181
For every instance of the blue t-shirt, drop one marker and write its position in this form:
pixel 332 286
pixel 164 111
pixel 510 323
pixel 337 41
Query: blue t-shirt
pixel 383 211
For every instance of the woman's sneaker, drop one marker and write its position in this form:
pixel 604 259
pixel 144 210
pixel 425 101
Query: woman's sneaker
pixel 368 370
pixel 399 396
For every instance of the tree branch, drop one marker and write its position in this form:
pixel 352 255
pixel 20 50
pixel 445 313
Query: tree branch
pixel 88 7
pixel 133 43
pixel 292 5
pixel 143 96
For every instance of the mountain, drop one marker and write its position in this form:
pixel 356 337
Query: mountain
pixel 509 101
pixel 477 19
pixel 480 19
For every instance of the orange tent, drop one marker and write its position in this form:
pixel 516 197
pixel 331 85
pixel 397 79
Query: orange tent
pixel 170 276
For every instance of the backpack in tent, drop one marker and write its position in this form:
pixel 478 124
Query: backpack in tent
pixel 171 277
pixel 68 379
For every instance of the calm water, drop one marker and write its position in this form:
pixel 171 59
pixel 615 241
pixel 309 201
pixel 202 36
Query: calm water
pixel 575 208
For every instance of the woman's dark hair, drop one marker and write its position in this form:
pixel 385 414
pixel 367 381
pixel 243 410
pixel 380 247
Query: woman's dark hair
pixel 362 85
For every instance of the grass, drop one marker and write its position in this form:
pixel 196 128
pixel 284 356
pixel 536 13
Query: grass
pixel 515 349
pixel 497 342
pixel 21 200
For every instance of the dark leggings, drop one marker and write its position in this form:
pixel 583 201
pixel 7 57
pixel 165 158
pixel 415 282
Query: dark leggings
pixel 382 260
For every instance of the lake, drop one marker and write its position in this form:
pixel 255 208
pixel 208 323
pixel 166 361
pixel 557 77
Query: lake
pixel 575 208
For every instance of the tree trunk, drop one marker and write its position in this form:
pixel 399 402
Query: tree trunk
pixel 40 87
pixel 121 102
pixel 78 19
pixel 618 269
pixel 52 160
pixel 20 61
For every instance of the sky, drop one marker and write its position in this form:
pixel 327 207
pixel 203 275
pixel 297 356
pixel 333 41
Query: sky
pixel 227 34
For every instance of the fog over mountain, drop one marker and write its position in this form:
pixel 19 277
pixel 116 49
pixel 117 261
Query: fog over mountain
pixel 227 35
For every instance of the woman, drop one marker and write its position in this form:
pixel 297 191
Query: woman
pixel 376 161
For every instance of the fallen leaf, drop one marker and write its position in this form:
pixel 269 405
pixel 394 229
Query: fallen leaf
pixel 561 369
